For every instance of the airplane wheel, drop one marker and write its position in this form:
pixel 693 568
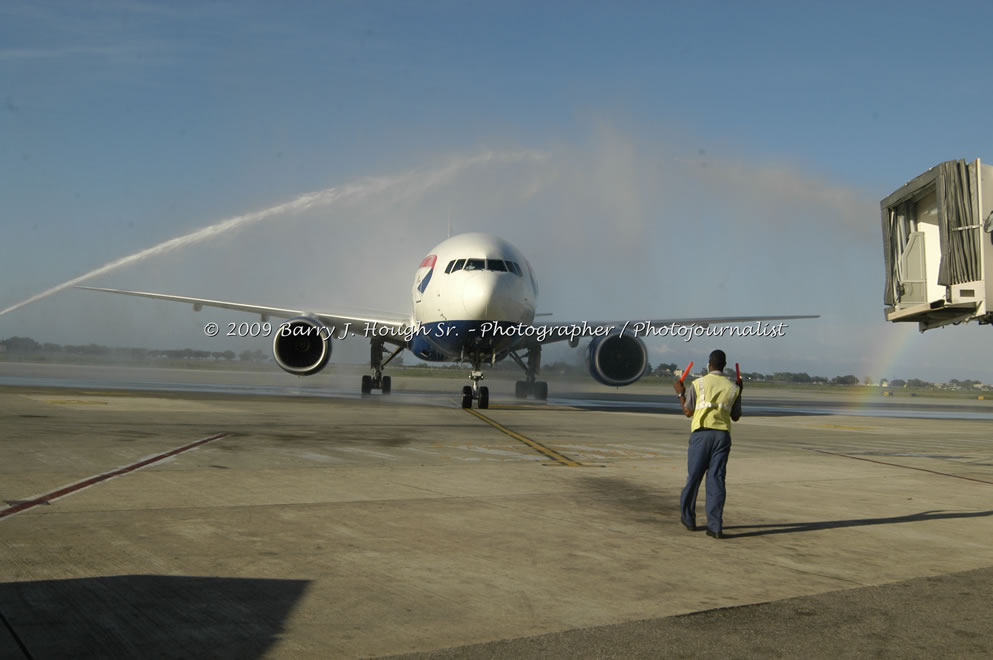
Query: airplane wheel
pixel 541 390
pixel 521 389
pixel 366 384
pixel 467 397
pixel 387 385
pixel 484 398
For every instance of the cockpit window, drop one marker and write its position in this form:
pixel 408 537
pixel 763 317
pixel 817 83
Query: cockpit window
pixel 498 265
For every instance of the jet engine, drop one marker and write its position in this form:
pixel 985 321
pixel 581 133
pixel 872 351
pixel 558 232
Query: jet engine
pixel 302 346
pixel 616 359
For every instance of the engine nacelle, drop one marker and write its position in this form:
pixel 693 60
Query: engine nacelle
pixel 302 346
pixel 617 359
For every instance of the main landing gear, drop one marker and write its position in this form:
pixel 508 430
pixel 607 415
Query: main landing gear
pixel 529 386
pixel 378 381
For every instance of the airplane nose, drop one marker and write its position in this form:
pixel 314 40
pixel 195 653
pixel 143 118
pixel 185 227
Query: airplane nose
pixel 492 297
pixel 477 293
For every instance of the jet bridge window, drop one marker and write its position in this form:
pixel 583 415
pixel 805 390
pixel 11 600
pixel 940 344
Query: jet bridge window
pixel 475 264
pixel 496 264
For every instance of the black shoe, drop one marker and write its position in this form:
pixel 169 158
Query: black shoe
pixel 691 528
pixel 716 535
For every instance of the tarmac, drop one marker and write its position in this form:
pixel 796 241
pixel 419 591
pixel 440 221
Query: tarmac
pixel 218 522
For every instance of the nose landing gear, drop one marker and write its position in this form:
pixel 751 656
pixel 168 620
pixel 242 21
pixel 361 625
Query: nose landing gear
pixel 480 393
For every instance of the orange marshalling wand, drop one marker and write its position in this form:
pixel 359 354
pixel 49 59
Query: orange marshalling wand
pixel 686 371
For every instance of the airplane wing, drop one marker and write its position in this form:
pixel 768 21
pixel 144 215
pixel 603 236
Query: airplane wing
pixel 357 323
pixel 564 330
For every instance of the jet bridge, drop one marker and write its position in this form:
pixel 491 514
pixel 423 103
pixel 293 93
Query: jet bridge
pixel 938 246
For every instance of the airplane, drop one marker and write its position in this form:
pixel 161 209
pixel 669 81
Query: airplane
pixel 474 301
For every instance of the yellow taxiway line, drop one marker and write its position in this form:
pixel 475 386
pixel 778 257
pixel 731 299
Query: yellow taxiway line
pixel 537 446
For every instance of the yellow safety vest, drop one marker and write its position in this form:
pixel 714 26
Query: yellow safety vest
pixel 714 397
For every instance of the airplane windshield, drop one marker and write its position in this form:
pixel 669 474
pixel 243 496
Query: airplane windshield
pixel 498 265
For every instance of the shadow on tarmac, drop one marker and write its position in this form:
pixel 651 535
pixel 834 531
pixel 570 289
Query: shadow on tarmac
pixel 145 616
pixel 645 503
pixel 786 528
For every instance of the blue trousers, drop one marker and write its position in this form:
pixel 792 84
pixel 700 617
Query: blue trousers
pixel 708 454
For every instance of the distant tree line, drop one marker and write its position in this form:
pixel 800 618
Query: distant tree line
pixel 668 370
pixel 26 345
pixel 671 368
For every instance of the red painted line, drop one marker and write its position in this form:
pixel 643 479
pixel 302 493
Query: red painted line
pixel 79 485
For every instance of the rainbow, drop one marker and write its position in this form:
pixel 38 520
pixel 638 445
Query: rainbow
pixel 885 355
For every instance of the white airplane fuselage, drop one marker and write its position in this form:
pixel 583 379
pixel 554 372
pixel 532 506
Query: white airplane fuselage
pixel 464 289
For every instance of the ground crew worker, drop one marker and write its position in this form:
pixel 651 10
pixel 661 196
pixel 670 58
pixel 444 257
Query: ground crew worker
pixel 713 403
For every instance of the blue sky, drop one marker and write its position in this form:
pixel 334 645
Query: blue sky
pixel 699 158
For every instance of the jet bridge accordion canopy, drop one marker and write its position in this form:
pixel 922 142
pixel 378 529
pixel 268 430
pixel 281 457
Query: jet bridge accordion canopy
pixel 937 246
